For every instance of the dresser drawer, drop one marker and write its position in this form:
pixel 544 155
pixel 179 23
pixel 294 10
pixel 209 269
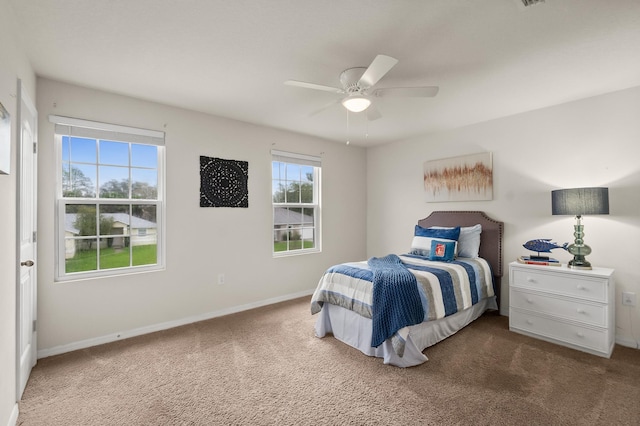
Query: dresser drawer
pixel 573 309
pixel 567 284
pixel 594 339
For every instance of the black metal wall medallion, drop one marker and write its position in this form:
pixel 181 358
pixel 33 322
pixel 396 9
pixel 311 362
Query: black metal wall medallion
pixel 223 183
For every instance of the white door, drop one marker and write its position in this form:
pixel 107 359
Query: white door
pixel 26 228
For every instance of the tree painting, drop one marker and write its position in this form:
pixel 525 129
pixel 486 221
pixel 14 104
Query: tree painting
pixel 465 178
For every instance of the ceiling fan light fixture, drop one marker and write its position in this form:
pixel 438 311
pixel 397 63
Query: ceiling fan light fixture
pixel 356 103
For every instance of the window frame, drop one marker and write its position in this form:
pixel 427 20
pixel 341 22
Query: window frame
pixel 72 127
pixel 301 160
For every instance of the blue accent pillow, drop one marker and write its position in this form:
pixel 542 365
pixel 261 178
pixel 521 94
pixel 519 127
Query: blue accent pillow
pixel 443 251
pixel 421 244
pixel 469 241
pixel 444 233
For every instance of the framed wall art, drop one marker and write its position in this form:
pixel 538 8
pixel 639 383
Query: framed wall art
pixel 223 183
pixel 465 178
pixel 5 141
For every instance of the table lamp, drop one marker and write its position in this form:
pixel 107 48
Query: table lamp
pixel 578 202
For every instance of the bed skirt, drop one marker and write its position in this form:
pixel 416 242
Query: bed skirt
pixel 355 330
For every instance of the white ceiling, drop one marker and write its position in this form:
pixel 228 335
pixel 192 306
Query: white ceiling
pixel 490 58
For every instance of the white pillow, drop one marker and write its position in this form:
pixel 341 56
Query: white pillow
pixel 469 241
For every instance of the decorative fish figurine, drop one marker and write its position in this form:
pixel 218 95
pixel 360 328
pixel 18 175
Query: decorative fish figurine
pixel 543 245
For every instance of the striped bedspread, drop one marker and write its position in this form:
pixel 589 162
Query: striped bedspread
pixel 444 287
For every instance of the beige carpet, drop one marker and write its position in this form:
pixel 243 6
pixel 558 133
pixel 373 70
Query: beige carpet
pixel 265 367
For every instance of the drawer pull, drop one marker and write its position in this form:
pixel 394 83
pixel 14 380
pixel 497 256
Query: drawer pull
pixel 581 287
pixel 531 280
pixel 581 311
pixel 529 300
pixel 580 334
pixel 529 322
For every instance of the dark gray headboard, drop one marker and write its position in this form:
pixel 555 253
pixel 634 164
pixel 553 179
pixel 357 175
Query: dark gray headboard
pixel 490 239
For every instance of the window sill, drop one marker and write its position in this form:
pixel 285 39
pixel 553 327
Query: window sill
pixel 108 274
pixel 295 253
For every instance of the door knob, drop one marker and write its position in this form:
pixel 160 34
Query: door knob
pixel 27 263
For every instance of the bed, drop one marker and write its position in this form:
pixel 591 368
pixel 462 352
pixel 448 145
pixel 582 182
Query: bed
pixel 344 297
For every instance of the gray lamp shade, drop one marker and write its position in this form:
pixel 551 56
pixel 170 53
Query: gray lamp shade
pixel 580 201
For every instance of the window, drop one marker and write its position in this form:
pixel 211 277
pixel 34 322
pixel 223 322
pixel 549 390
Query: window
pixel 109 199
pixel 295 192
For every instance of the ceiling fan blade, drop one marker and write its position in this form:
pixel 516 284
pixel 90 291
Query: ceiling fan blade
pixel 378 68
pixel 327 106
pixel 407 92
pixel 313 86
pixel 373 113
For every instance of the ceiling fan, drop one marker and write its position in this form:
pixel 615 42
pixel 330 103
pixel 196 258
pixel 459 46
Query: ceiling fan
pixel 358 86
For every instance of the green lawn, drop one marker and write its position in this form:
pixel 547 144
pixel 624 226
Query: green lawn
pixel 293 245
pixel 86 260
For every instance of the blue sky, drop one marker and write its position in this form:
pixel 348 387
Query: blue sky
pixel 114 159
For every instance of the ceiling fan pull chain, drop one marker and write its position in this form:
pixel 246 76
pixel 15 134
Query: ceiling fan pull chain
pixel 348 142
pixel 366 129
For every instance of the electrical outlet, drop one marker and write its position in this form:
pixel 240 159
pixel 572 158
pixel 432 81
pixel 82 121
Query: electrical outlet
pixel 220 279
pixel 628 298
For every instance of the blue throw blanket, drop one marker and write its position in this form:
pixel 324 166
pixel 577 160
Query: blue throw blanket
pixel 396 298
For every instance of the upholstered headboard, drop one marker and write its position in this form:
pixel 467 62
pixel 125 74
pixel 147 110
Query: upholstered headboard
pixel 490 239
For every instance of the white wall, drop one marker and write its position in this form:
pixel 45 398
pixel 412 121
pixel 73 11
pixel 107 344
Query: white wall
pixel 13 66
pixel 201 242
pixel 592 142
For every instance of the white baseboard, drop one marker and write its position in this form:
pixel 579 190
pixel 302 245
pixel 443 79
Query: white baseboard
pixel 630 343
pixel 14 415
pixel 56 350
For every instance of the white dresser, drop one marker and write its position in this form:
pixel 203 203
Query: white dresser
pixel 570 307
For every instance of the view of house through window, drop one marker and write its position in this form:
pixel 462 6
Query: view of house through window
pixel 109 199
pixel 296 202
